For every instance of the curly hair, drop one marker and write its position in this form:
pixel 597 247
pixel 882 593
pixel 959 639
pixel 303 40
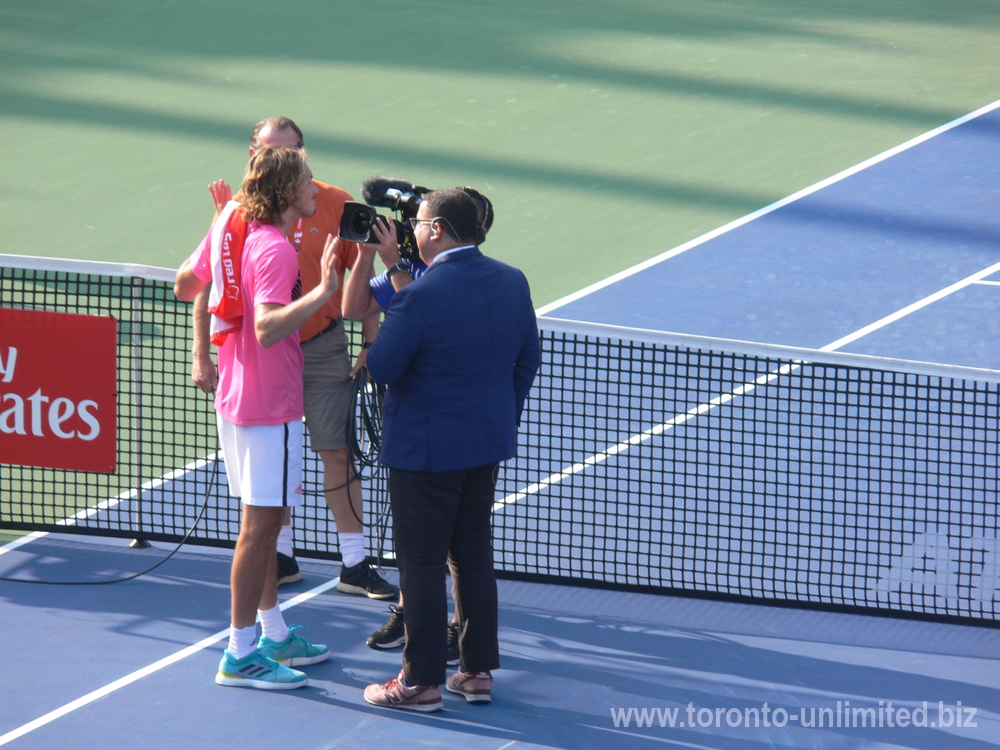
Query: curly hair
pixel 272 183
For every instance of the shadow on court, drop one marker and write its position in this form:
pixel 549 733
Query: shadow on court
pixel 172 76
pixel 580 666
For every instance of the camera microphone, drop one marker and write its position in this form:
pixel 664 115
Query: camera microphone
pixel 387 192
pixel 373 189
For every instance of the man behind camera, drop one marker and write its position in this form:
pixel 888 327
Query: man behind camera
pixel 459 350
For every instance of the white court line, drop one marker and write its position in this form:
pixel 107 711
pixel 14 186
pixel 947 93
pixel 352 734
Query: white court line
pixel 546 309
pixel 11 546
pixel 833 346
pixel 744 389
pixel 156 666
pixel 642 437
pixel 902 313
pixel 554 478
pixel 147 670
pixel 111 687
pixel 133 494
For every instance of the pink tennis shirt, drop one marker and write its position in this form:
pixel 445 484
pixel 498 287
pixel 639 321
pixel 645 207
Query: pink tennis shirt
pixel 257 385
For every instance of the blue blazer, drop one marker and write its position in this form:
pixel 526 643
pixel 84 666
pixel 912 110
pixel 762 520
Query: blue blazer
pixel 459 350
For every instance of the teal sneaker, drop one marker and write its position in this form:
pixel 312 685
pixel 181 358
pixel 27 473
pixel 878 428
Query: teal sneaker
pixel 294 651
pixel 257 671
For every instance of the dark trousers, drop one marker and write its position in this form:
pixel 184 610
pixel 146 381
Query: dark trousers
pixel 442 517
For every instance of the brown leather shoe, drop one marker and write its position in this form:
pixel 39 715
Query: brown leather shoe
pixel 394 694
pixel 475 686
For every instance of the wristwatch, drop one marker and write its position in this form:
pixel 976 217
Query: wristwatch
pixel 398 267
pixel 366 345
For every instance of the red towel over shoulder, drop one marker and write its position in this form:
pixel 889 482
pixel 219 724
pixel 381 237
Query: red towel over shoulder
pixel 225 301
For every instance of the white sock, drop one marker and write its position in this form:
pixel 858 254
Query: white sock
pixel 272 622
pixel 242 641
pixel 285 541
pixel 352 548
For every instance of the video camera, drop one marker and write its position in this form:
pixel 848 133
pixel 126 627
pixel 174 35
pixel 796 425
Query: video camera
pixel 398 195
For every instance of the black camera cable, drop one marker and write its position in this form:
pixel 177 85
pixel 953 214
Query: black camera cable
pixel 366 396
pixel 363 445
pixel 364 440
pixel 201 512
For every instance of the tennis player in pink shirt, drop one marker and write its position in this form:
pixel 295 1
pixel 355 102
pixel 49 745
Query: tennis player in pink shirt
pixel 259 400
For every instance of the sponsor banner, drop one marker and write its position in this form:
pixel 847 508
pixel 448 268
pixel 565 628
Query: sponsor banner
pixel 58 390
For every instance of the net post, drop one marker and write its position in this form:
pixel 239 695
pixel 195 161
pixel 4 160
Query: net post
pixel 137 405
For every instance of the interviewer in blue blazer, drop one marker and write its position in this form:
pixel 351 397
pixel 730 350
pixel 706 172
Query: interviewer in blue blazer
pixel 459 350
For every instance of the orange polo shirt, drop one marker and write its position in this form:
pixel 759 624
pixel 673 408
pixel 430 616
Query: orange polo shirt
pixel 308 236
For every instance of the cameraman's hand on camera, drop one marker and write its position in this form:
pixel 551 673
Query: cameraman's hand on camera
pixel 221 194
pixel 387 248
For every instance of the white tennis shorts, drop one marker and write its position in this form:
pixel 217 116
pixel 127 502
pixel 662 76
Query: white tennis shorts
pixel 263 462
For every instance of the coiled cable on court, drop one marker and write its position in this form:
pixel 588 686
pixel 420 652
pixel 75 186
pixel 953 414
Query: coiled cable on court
pixel 364 441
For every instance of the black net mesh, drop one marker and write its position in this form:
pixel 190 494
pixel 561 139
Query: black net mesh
pixel 643 465
pixel 657 466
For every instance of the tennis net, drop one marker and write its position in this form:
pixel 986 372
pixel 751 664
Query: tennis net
pixel 647 461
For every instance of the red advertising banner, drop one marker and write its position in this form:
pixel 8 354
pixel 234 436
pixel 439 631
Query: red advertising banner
pixel 57 390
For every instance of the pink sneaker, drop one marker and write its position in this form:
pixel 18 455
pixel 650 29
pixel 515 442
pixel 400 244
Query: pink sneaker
pixel 475 686
pixel 394 694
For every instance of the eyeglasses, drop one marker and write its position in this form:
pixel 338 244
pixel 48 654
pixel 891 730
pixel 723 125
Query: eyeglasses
pixel 415 222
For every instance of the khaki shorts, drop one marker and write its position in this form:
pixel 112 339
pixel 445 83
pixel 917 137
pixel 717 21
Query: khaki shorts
pixel 327 394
